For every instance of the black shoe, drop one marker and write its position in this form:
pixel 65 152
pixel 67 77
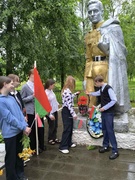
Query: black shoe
pixel 43 148
pixel 113 156
pixel 104 149
pixel 40 151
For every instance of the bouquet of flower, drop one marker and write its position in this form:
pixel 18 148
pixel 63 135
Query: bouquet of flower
pixel 27 152
pixel 83 105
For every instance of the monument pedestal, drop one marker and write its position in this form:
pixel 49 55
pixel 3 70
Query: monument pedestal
pixel 80 123
pixel 124 127
pixel 80 133
pixel 121 123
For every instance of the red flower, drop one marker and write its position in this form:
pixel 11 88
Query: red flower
pixel 82 101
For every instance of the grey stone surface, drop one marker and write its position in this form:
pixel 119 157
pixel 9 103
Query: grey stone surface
pixel 80 122
pixel 121 123
pixel 131 115
pixel 124 127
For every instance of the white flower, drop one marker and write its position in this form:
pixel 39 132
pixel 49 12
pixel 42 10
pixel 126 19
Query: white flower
pixel 98 115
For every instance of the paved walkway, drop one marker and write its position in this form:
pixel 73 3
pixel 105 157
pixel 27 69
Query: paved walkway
pixel 80 164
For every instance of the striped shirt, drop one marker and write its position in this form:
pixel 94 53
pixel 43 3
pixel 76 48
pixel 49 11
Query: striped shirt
pixel 68 101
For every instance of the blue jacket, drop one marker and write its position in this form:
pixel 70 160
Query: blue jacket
pixel 12 121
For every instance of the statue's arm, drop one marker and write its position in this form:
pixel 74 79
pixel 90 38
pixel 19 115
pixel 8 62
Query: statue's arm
pixel 103 44
pixel 113 32
pixel 88 56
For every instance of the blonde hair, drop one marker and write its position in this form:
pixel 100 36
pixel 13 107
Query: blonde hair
pixel 69 83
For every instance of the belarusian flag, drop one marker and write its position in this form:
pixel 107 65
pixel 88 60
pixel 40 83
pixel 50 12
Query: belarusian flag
pixel 42 105
pixel 92 112
pixel 39 121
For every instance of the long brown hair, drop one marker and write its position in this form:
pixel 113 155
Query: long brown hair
pixel 69 83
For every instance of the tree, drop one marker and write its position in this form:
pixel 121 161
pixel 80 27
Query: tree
pixel 47 32
pixel 127 19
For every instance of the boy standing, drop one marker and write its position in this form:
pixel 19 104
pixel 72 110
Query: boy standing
pixel 108 100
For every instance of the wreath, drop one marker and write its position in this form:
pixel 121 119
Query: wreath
pixel 94 124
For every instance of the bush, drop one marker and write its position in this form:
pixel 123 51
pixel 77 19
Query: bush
pixel 1 138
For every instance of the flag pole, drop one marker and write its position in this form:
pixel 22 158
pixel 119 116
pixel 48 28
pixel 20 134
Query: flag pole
pixel 35 64
pixel 32 123
pixel 36 127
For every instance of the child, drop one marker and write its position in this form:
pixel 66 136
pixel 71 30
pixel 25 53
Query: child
pixel 68 114
pixel 107 109
pixel 53 116
pixel 27 94
pixel 13 126
pixel 16 94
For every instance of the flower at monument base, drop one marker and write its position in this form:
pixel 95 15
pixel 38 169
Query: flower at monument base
pixel 83 105
pixel 82 101
pixel 94 122
pixel 98 116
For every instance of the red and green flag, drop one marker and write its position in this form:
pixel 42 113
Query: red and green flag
pixel 92 112
pixel 42 105
pixel 39 121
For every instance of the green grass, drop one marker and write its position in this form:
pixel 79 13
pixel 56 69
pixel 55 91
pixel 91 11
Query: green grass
pixel 131 84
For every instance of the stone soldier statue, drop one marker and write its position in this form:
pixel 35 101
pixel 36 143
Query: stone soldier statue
pixel 106 56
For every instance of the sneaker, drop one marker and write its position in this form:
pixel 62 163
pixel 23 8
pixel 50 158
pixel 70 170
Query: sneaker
pixel 24 164
pixel 64 151
pixel 27 160
pixel 73 145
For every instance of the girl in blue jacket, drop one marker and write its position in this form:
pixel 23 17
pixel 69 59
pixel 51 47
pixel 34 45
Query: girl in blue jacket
pixel 13 125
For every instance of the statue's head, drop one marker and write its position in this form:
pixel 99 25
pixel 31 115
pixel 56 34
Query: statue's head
pixel 95 11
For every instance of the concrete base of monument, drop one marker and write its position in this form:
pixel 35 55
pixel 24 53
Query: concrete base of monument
pixel 121 123
pixel 124 131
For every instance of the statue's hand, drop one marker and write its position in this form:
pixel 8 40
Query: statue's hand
pixel 103 44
